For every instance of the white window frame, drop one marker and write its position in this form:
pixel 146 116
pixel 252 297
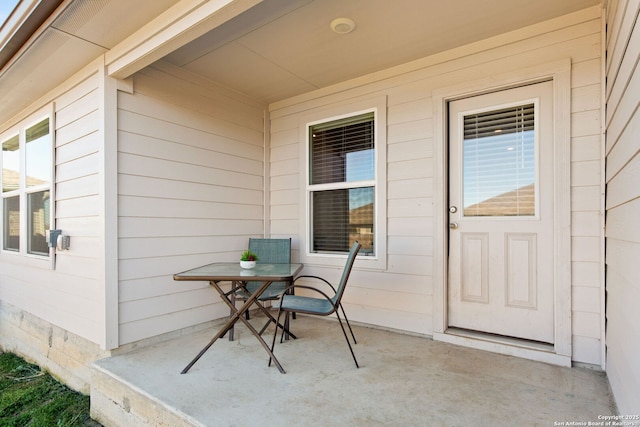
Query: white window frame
pixel 23 191
pixel 378 106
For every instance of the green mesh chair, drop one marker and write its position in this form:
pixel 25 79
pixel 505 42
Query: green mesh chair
pixel 323 305
pixel 269 251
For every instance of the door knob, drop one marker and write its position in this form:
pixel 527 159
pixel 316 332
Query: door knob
pixel 453 225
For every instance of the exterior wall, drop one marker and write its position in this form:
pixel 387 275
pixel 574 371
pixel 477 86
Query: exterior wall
pixel 55 314
pixel 190 158
pixel 623 203
pixel 401 295
pixel 191 191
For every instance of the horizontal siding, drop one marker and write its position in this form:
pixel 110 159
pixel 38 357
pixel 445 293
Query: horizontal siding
pixel 190 191
pixel 153 326
pixel 69 296
pixel 623 203
pixel 403 292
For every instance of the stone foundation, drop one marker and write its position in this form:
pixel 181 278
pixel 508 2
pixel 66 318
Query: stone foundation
pixel 64 355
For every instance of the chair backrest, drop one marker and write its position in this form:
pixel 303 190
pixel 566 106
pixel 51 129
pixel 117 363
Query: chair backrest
pixel 272 251
pixel 346 272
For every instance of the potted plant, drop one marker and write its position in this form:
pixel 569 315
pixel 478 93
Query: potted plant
pixel 248 259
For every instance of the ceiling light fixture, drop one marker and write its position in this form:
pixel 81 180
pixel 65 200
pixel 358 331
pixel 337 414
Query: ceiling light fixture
pixel 343 25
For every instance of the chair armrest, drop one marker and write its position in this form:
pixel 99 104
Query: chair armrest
pixel 315 277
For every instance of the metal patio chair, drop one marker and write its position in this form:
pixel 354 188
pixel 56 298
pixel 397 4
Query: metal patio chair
pixel 324 305
pixel 269 251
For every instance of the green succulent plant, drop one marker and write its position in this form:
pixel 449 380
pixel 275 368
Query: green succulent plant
pixel 249 256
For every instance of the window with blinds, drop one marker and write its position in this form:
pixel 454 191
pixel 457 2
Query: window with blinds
pixel 342 184
pixel 499 171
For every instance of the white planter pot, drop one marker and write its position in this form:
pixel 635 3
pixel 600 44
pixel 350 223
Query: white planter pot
pixel 247 264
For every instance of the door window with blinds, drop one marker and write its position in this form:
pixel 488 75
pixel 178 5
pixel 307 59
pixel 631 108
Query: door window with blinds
pixel 341 184
pixel 499 162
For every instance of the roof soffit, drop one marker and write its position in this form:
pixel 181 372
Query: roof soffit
pixel 39 54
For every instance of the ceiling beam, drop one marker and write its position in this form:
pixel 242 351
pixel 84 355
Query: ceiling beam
pixel 179 25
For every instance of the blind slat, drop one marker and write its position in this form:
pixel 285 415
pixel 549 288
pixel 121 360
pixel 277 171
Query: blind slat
pixel 504 121
pixel 342 150
pixel 499 162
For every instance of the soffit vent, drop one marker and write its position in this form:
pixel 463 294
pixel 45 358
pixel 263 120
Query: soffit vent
pixel 78 15
pixel 20 76
pixel 46 43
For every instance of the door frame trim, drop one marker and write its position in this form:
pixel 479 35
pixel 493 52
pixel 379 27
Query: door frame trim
pixel 559 72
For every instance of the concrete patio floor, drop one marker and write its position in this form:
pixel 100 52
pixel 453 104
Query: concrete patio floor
pixel 403 380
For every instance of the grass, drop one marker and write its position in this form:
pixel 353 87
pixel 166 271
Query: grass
pixel 31 397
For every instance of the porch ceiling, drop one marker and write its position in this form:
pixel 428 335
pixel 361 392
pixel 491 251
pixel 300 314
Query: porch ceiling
pixel 281 49
pixel 275 50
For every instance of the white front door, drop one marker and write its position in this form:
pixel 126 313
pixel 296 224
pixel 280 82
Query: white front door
pixel 501 220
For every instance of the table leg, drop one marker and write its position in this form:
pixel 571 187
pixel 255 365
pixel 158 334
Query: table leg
pixel 237 314
pixel 264 344
pixel 204 350
pixel 234 287
pixel 253 330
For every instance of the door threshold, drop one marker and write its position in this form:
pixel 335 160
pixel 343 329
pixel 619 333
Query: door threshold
pixel 532 350
pixel 518 342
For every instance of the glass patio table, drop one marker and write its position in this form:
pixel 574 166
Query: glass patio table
pixel 232 272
